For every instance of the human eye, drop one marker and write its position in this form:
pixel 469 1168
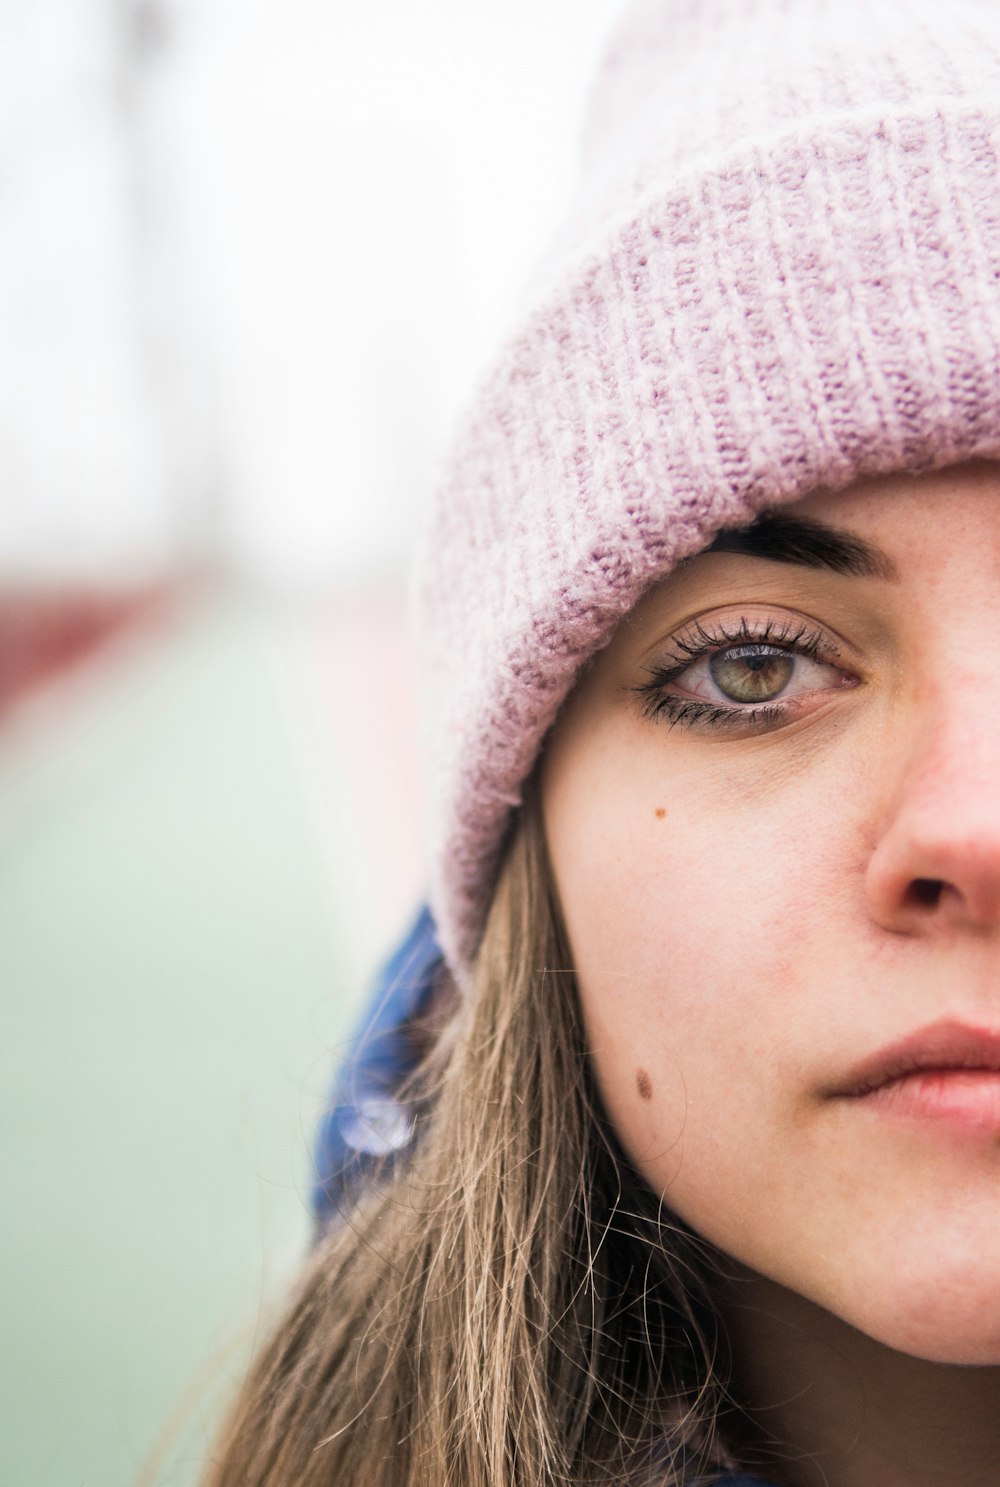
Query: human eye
pixel 747 672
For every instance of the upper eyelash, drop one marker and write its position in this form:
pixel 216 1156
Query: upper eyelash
pixel 696 642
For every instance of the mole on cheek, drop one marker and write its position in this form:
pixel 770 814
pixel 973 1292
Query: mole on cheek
pixel 644 1085
pixel 660 812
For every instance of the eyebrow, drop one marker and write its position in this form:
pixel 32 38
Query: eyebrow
pixel 810 544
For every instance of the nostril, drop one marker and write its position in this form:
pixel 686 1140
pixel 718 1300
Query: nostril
pixel 925 893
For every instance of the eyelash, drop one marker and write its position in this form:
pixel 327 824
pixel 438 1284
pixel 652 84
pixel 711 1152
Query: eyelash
pixel 660 705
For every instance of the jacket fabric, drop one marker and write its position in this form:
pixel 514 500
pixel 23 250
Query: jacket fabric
pixel 365 1122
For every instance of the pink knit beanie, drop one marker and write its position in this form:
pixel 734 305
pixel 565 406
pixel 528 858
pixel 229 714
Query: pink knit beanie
pixel 782 274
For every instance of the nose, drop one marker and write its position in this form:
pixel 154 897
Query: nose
pixel 936 864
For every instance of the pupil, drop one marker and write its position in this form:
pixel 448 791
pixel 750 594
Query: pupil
pixel 751 673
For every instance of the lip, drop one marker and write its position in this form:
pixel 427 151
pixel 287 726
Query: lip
pixel 948 1073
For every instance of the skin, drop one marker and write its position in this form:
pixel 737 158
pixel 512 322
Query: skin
pixel 749 918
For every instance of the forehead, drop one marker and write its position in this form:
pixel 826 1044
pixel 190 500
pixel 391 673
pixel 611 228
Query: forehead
pixel 902 507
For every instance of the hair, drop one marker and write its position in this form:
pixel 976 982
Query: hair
pixel 509 1305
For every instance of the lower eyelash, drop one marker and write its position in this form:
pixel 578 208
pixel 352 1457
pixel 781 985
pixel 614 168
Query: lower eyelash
pixel 661 706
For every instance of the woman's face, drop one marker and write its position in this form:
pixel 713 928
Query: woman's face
pixel 773 811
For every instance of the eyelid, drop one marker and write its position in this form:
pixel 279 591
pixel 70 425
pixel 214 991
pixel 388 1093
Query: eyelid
pixel 708 634
pixel 756 623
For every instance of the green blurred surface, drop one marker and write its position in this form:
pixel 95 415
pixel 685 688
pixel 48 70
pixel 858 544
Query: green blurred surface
pixel 172 985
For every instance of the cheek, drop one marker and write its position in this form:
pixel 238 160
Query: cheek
pixel 695 948
pixel 679 920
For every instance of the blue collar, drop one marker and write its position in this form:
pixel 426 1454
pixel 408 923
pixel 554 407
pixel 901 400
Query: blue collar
pixel 364 1121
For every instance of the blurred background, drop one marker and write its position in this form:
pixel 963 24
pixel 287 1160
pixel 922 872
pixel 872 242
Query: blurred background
pixel 252 256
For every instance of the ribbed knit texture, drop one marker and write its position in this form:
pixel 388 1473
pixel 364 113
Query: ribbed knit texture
pixel 781 275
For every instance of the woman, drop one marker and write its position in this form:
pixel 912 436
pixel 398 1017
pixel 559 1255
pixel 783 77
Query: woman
pixel 699 1171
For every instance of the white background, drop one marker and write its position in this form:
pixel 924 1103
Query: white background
pixel 252 255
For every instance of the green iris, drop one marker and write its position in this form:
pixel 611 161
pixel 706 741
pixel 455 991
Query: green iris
pixel 752 673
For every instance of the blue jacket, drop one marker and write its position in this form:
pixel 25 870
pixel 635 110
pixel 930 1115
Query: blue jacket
pixel 364 1121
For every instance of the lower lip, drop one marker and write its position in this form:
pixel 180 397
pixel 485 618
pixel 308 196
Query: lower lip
pixel 968 1099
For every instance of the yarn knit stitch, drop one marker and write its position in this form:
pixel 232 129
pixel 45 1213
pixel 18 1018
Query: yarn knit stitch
pixel 782 274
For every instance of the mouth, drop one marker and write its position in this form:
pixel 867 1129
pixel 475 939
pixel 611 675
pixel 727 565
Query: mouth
pixel 948 1073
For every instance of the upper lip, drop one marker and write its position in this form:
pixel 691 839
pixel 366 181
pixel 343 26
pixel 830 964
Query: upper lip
pixel 943 1046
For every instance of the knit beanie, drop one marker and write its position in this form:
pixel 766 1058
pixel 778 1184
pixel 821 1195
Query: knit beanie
pixel 781 274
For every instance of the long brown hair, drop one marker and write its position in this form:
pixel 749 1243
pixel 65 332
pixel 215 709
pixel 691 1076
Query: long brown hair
pixel 511 1306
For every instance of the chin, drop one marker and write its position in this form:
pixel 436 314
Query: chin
pixel 951 1318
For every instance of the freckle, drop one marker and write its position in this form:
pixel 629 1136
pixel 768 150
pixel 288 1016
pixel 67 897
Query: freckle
pixel 660 812
pixel 644 1085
